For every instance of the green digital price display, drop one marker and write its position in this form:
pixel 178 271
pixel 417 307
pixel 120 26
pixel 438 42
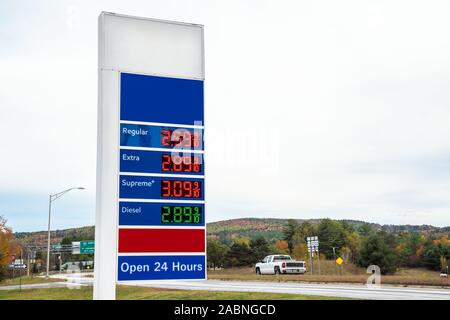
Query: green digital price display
pixel 181 214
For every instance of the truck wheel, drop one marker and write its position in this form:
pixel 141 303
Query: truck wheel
pixel 258 271
pixel 277 270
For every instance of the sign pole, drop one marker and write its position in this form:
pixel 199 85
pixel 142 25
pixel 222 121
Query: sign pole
pixel 318 259
pixel 20 270
pixel 310 252
pixel 28 262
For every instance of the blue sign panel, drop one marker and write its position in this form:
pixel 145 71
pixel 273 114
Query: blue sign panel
pixel 138 135
pixel 161 162
pixel 148 187
pixel 161 191
pixel 161 214
pixel 160 267
pixel 160 99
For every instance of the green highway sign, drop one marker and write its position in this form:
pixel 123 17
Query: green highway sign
pixel 87 246
pixel 83 247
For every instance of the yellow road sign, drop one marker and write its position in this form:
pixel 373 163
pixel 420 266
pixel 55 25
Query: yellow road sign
pixel 339 260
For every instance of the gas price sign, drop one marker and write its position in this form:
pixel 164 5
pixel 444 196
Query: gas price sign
pixel 161 162
pixel 150 211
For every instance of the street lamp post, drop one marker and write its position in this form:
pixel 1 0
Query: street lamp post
pixel 52 198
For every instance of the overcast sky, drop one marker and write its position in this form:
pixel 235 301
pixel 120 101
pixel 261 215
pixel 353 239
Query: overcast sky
pixel 314 109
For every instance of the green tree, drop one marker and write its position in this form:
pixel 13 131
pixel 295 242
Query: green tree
pixel 375 251
pixel 306 230
pixel 239 255
pixel 331 234
pixel 216 252
pixel 259 248
pixel 348 228
pixel 365 230
pixel 409 250
pixel 432 257
pixel 290 230
pixel 435 253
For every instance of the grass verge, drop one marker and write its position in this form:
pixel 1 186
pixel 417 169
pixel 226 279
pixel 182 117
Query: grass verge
pixel 405 277
pixel 26 280
pixel 143 293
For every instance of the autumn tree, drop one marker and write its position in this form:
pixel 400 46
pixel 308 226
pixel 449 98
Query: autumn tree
pixel 300 251
pixel 351 247
pixel 436 253
pixel 8 247
pixel 410 250
pixel 282 246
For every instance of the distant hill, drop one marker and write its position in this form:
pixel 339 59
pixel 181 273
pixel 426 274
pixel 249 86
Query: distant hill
pixel 227 230
pixel 40 237
pixel 272 229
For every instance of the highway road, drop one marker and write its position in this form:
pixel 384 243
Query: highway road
pixel 354 291
pixel 330 290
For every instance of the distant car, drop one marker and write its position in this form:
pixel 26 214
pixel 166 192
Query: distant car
pixel 72 265
pixel 278 264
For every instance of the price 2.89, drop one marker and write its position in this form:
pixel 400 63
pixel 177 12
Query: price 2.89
pixel 181 214
pixel 175 163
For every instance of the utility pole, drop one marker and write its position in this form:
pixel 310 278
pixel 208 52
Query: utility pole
pixel 20 270
pixel 48 235
pixel 334 257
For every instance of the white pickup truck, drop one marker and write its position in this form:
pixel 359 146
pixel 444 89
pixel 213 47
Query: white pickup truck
pixel 277 264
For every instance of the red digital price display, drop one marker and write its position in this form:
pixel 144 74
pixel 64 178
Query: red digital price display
pixel 175 163
pixel 181 189
pixel 181 138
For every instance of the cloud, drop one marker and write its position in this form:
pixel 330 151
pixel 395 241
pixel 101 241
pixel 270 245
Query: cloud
pixel 312 109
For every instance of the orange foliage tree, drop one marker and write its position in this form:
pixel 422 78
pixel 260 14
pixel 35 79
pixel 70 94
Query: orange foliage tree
pixel 282 246
pixel 8 247
pixel 444 240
